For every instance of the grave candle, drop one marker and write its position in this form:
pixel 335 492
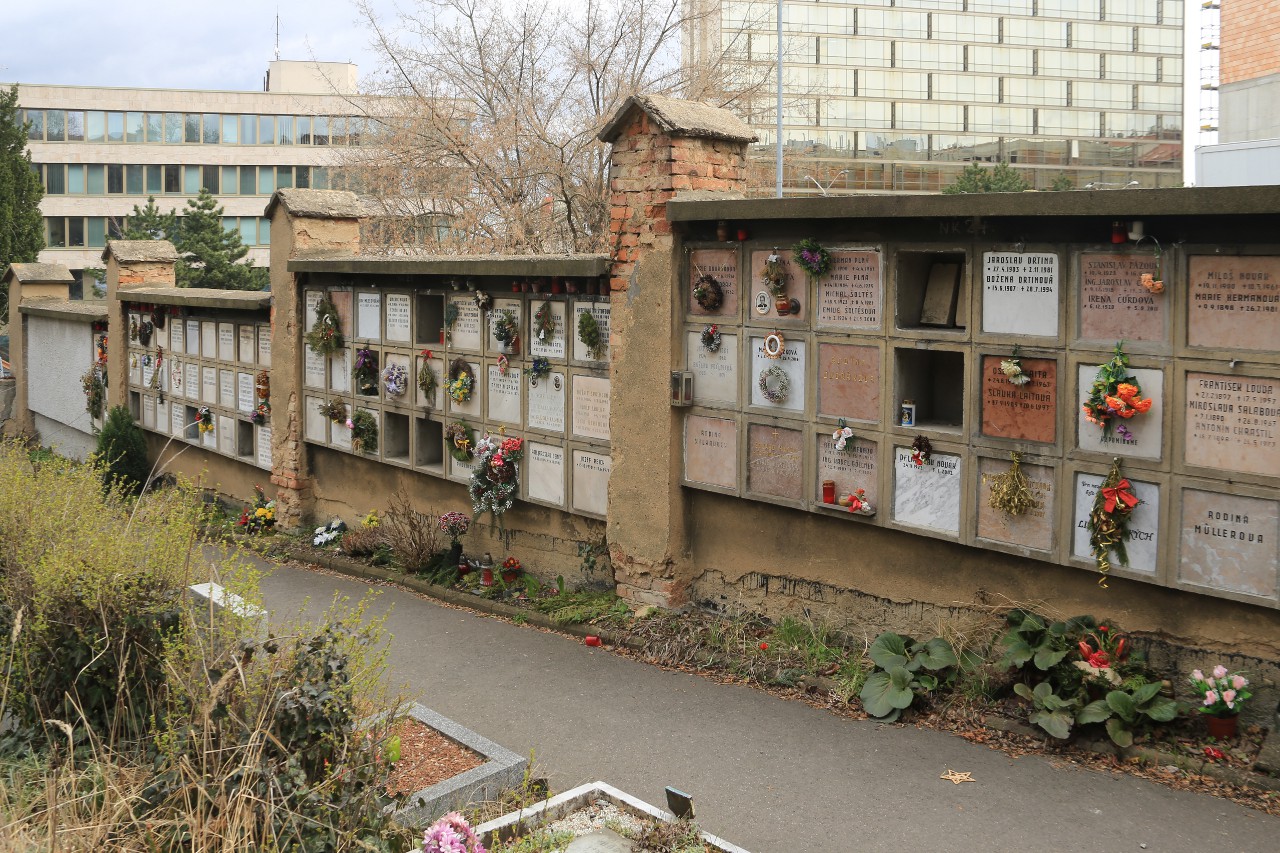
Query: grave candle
pixel 828 491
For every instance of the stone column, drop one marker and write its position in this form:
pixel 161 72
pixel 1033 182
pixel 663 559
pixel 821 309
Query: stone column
pixel 28 281
pixel 304 223
pixel 131 264
pixel 660 147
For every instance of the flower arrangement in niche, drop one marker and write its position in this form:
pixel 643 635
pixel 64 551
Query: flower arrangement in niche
pixel 325 337
pixel 450 317
pixel 133 329
pixel 707 292
pixel 461 380
pixel 1011 367
pixel 145 329
pixel 260 516
pixel 462 441
pixel 774 274
pixel 812 258
pixel 1154 282
pixel 335 410
pixel 427 381
pixel 158 318
pixel 1115 396
pixel 261 414
pixel 204 417
pixel 774 384
pixel 1010 491
pixel 454 525
pixel 711 339
pixel 364 431
pixel 262 391
pixel 495 477
pixel 504 327
pixel 843 436
pixel 921 451
pixel 483 300
pixel 544 323
pixel 365 372
pixel 539 369
pixel 94 384
pixel 395 380
pixel 857 502
pixel 589 334
pixel 1108 523
pixel 157 377
pixel 1221 693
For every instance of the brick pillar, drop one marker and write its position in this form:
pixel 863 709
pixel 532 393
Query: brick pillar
pixel 130 264
pixel 660 147
pixel 28 282
pixel 303 223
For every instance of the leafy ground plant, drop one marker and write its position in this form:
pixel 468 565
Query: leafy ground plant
pixel 905 669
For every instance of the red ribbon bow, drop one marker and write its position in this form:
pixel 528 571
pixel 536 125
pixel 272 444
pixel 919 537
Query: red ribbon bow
pixel 1119 494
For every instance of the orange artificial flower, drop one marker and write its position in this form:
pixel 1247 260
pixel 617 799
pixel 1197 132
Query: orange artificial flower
pixel 1126 392
pixel 1143 406
pixel 1116 403
pixel 1127 412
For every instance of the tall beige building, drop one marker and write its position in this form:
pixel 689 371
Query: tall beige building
pixel 899 95
pixel 100 151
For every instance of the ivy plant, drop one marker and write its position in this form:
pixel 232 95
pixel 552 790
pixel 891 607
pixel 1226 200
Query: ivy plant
pixel 905 668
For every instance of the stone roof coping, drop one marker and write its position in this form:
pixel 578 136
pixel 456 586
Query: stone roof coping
pixel 676 117
pixel 82 310
pixel 571 266
pixel 40 273
pixel 317 204
pixel 135 251
pixel 199 297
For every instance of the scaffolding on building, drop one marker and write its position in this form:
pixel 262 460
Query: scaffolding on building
pixel 1210 50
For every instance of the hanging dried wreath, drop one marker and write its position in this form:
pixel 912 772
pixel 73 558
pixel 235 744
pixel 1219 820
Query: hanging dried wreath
pixel 775 384
pixel 483 300
pixel 95 391
pixel 811 257
pixel 335 410
pixel 462 441
pixel 133 329
pixel 921 451
pixel 145 328
pixel 1010 491
pixel 711 339
pixel 157 375
pixel 544 324
pixel 364 431
pixel 262 385
pixel 540 368
pixel 775 274
pixel 461 380
pixel 325 337
pixel 707 292
pixel 589 334
pixel 158 318
pixel 395 380
pixel 450 318
pixel 495 479
pixel 1154 282
pixel 427 380
pixel 1115 394
pixel 365 372
pixel 1108 523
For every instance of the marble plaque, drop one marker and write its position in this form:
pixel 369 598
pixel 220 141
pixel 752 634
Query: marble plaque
pixel 262 447
pixel 553 345
pixel 546 403
pixel 311 302
pixel 1028 411
pixel 1020 293
pixel 1114 305
pixel 599 310
pixel 927 495
pixel 227 389
pixel 226 435
pixel 398 317
pixel 797 284
pixel 178 421
pixel 313 368
pixel 1234 302
pixel 855 467
pixel 1144 523
pixel 247 340
pixel 160 336
pixel 715 374
pixel 339 435
pixel 226 342
pixel 135 368
pixel 514 306
pixel 1233 423
pixel 1146 428
pixel 177 335
pixel 162 419
pixel 437 366
pixel 1034 528
pixel 369 316
pixel 316 425
pixel 340 370
pixel 504 394
pixel 791 362
pixel 459 470
pixel 264 346
pixel 209 439
pixel 148 362
pixel 1229 542
pixel 599 841
pixel 175 378
pixel 848 382
pixel 544 472
pixel 246 400
pixel 209 385
pixel 193 338
pixel 148 411
pixel 193 381
pixel 849 296
pixel 591 481
pixel 722 265
pixel 465 333
pixel 209 339
pixel 471 408
pixel 775 461
pixel 342 300
pixel 711 451
pixel 591 407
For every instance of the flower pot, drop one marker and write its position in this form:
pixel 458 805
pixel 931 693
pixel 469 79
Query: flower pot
pixel 515 287
pixel 508 577
pixel 782 305
pixel 1222 727
pixel 486 577
pixel 556 287
pixel 464 568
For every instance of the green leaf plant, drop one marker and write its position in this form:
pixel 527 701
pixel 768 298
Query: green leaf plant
pixel 905 669
pixel 1033 639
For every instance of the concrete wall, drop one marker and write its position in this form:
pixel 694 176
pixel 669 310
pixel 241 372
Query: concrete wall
pixel 58 352
pixel 1239 164
pixel 1250 109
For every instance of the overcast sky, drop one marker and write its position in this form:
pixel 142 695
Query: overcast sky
pixel 179 44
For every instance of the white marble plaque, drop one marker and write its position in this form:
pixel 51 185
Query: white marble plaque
pixel 160 337
pixel 504 394
pixel 599 310
pixel 312 302
pixel 209 385
pixel 471 408
pixel 398 317
pixel 340 370
pixel 264 346
pixel 591 481
pixel 546 403
pixel 148 362
pixel 465 333
pixel 148 411
pixel 792 362
pixel 193 338
pixel 315 425
pixel 226 433
pixel 209 339
pixel 262 439
pixel 313 375
pixel 135 368
pixel 162 419
pixel 177 335
pixel 591 407
pixel 369 316
pixel 209 439
pixel 1146 429
pixel 715 374
pixel 550 345
pixel 193 381
pixel 178 421
pixel 927 495
pixel 248 343
pixel 1144 523
pixel 512 305
pixel 245 398
pixel 339 435
pixel 460 470
pixel 1020 293
pixel 226 342
pixel 227 389
pixel 175 378
pixel 544 472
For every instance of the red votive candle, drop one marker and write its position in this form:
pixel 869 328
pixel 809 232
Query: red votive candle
pixel 828 491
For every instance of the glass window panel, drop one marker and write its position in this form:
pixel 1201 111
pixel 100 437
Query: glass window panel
pixel 1094 93
pixel 230 223
pixel 915 116
pixel 155 180
pixel 284 177
pixel 191 124
pixel 95 126
pixel 172 179
pixel 75 179
pixel 938 57
pixel 266 180
pixel 134 128
pixel 1135 11
pixel 209 179
pixel 115 178
pixel 304 129
pixel 57 232
pixel 284 130
pixel 1074 64
pixel 230 180
pixel 895 146
pixel 338 126
pixel 975 29
pixel 1037 32
pixel 249 230
pixel 1130 124
pixel 115 127
pixel 1015 60
pixel 267 129
pixel 35 130
pixel 1001 120
pixel 230 130
pixel 1101 36
pixel 248 130
pixel 75 231
pixel 876 83
pixel 1076 9
pixel 963 149
pixel 55 129
pixel 75 125
pixel 1068 122
pixel 133 180
pixel 1009 7
pixel 356 127
pixel 96 179
pixel 967 88
pixel 320 130
pixel 931 4
pixel 264 231
pixel 191 180
pixel 173 124
pixel 248 180
pixel 96 232
pixel 319 178
pixel 1031 90
pixel 892 22
pixel 1165 98
pixel 211 123
pixel 302 177
pixel 155 127
pixel 1130 66
pixel 1039 152
pixel 1159 40
pixel 55 179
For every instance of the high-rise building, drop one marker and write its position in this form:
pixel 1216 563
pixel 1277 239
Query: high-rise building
pixel 899 95
pixel 100 151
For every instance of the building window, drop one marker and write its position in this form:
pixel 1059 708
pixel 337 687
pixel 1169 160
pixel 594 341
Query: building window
pixel 191 125
pixel 209 179
pixel 155 127
pixel 57 232
pixel 173 124
pixel 248 130
pixel 230 130
pixel 75 231
pixel 173 179
pixel 248 180
pixel 75 125
pixel 115 127
pixel 75 180
pixel 133 180
pixel 55 125
pixel 55 182
pixel 284 130
pixel 35 122
pixel 134 129
pixel 320 130
pixel 96 232
pixel 210 134
pixel 95 179
pixel 115 179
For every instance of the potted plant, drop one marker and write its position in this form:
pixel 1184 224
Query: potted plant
pixel 510 569
pixel 1221 695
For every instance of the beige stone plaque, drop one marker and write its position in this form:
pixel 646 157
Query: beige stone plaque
pixel 262 447
pixel 340 370
pixel 1032 529
pixel 342 301
pixel 311 307
pixel 504 394
pixel 209 339
pixel 1229 542
pixel 398 311
pixel 715 374
pixel 552 344
pixel 850 295
pixel 855 467
pixel 1234 303
pixel 148 411
pixel 849 382
pixel 226 342
pixel 544 472
pixel 315 425
pixel 226 435
pixel 369 316
pixel 797 283
pixel 193 381
pixel 264 346
pixel 591 407
pixel 465 333
pixel 1019 293
pixel 1144 523
pixel 591 481
pixel 775 461
pixel 246 343
pixel 1020 411
pixel 711 451
pixel 177 335
pixel 546 403
pixel 209 385
pixel 227 389
pixel 192 338
pixel 516 307
pixel 1233 423
pixel 1113 303
pixel 722 264
pixel 599 310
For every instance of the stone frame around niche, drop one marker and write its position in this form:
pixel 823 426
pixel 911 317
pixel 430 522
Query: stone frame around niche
pixel 907 281
pixel 739 451
pixel 1063 416
pixel 1239 491
pixel 817 442
pixel 889 455
pixel 1174 266
pixel 570 449
pixel 1063 285
pixel 685 303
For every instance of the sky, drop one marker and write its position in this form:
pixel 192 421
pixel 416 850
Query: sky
pixel 179 44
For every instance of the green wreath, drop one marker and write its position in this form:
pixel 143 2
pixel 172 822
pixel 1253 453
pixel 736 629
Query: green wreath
pixel 462 441
pixel 325 337
pixel 589 334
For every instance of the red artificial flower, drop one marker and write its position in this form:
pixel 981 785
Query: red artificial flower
pixel 764 647
pixel 1103 628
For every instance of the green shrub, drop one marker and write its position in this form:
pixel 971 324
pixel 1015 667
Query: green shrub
pixel 905 669
pixel 122 451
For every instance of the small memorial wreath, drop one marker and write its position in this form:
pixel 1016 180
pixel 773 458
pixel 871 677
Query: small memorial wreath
pixel 775 273
pixel 843 436
pixel 589 334
pixel 921 451
pixel 504 326
pixel 461 380
pixel 427 380
pixel 204 417
pixel 811 257
pixel 145 328
pixel 95 391
pixel 775 384
pixel 707 292
pixel 1115 396
pixel 325 337
pixel 711 339
pixel 483 301
pixel 1010 491
pixel 158 318
pixel 335 410
pixel 462 441
pixel 544 324
pixel 364 431
pixel 395 379
pixel 774 345
pixel 540 368
pixel 133 328
pixel 1108 523
pixel 365 372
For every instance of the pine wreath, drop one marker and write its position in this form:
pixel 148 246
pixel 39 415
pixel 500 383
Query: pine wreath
pixel 427 380
pixel 364 432
pixel 325 337
pixel 462 441
pixel 544 324
pixel 589 334
pixel 707 292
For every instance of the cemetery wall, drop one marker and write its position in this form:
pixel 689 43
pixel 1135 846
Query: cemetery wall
pixel 63 347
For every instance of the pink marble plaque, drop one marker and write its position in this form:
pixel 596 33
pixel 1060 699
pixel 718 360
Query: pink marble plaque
pixel 775 461
pixel 711 451
pixel 849 382
pixel 850 295
pixel 1229 542
pixel 1113 303
pixel 797 284
pixel 855 467
pixel 721 264
pixel 1028 411
pixel 1233 423
pixel 342 301
pixel 1234 303
pixel 1032 529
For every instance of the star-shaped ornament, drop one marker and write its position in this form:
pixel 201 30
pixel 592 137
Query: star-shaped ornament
pixel 956 778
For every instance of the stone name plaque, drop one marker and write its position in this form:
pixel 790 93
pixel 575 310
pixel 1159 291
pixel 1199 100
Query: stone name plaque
pixel 1229 543
pixel 246 344
pixel 1233 423
pixel 264 346
pixel 504 394
pixel 148 369
pixel 797 285
pixel 465 333
pixel 775 461
pixel 178 422
pixel 226 435
pixel 544 473
pixel 209 385
pixel 1033 528
pixel 514 306
pixel 438 368
pixel 1028 411
pixel 342 302
pixel 722 265
pixel 162 418
pixel 546 403
pixel 927 496
pixel 599 310
pixel 591 407
pixel 398 317
pixel 1234 302
pixel 552 343
pixel 849 296
pixel 226 342
pixel 340 370
pixel 1113 303
pixel 792 363
pixel 1020 293
pixel 209 339
pixel 227 389
pixel 316 425
pixel 1144 523
pixel 193 381
pixel 246 399
pixel 855 467
pixel 175 370
pixel 848 382
pixel 1145 428
pixel 460 470
pixel 711 451
pixel 192 334
pixel 313 368
pixel 177 335
pixel 209 439
pixel 591 481
pixel 148 411
pixel 311 309
pixel 339 435
pixel 262 444
pixel 369 316
pixel 715 374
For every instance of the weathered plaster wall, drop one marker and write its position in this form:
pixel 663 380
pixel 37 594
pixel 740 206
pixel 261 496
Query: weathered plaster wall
pixel 58 352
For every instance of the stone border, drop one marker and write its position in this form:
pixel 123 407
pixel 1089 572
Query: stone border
pixel 547 811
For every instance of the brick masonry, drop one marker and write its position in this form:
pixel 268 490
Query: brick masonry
pixel 1250 40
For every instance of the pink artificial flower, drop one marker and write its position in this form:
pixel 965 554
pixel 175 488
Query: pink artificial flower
pixel 350 424
pixel 1219 671
pixel 1239 682
pixel 1230 698
pixel 1197 675
pixel 1210 697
